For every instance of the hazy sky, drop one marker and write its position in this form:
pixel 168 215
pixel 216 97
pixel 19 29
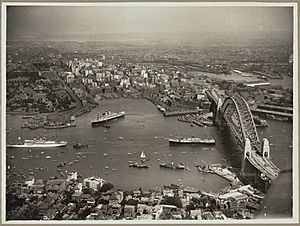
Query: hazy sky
pixel 37 20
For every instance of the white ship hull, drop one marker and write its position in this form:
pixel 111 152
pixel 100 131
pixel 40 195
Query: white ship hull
pixel 62 144
pixel 191 141
pixel 108 118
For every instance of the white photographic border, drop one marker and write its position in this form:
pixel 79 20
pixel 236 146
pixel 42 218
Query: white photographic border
pixel 295 187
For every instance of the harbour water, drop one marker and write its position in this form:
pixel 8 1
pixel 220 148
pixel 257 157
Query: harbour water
pixel 143 128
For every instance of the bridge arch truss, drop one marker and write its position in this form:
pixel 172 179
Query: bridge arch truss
pixel 238 116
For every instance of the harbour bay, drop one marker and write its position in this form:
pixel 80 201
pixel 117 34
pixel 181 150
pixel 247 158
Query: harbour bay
pixel 110 149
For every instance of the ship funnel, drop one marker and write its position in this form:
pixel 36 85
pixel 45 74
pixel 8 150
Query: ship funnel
pixel 247 149
pixel 266 148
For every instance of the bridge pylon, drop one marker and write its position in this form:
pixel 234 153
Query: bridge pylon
pixel 218 114
pixel 265 148
pixel 247 154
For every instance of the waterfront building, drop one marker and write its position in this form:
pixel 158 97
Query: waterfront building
pixel 72 176
pixel 168 192
pixel 93 183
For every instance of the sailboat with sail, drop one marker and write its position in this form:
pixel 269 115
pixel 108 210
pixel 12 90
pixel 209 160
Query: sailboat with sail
pixel 143 156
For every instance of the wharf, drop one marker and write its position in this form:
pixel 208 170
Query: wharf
pixel 273 76
pixel 184 112
pixel 198 123
pixel 203 122
pixel 222 172
pixel 225 173
pixel 282 115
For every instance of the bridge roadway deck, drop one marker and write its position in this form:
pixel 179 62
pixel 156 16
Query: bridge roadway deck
pixel 213 95
pixel 264 165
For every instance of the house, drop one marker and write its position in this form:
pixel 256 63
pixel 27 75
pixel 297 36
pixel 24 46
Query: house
pixel 113 200
pixel 140 209
pixel 102 210
pixel 29 181
pixel 98 207
pixel 92 216
pixel 55 185
pixel 90 201
pixel 168 192
pixel 38 186
pixel 176 215
pixel 114 210
pixel 219 215
pixel 196 214
pixel 70 78
pixel 145 217
pixel 136 193
pixel 129 211
pixel 208 216
pixel 85 197
pixel 146 200
pixel 119 195
pixel 78 188
pixel 43 207
pixel 76 196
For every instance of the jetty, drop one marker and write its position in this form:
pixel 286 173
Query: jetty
pixel 183 112
pixel 222 171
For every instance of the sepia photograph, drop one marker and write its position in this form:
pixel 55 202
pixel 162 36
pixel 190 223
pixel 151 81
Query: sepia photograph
pixel 149 112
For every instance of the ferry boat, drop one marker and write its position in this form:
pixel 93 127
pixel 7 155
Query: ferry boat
pixel 137 165
pixel 193 140
pixel 107 116
pixel 172 165
pixel 260 122
pixel 79 145
pixel 39 143
pixel 161 108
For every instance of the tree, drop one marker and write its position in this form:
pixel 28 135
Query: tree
pixel 87 191
pixel 175 201
pixel 106 187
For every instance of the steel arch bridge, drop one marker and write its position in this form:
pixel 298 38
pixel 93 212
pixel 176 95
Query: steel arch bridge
pixel 236 112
